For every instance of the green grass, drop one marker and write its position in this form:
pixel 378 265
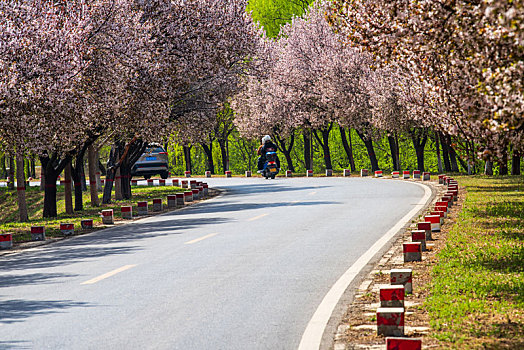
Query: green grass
pixel 35 199
pixel 477 296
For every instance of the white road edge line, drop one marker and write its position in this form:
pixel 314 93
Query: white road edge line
pixel 312 336
pixel 109 274
pixel 201 238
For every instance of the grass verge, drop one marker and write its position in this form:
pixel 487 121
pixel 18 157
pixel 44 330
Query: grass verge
pixel 477 291
pixel 35 199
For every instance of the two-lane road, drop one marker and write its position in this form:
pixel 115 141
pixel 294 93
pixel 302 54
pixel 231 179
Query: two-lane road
pixel 243 271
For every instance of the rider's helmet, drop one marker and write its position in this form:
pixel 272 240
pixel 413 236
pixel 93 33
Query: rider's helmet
pixel 266 139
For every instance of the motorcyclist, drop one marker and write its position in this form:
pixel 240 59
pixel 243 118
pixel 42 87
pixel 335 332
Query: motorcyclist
pixel 266 146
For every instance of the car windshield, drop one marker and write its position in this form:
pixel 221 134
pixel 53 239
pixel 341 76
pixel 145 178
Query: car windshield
pixel 154 150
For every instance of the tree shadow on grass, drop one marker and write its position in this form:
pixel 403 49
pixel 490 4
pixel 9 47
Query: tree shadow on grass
pixel 503 209
pixel 17 310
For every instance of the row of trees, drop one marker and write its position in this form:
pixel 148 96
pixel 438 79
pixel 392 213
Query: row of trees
pixel 75 76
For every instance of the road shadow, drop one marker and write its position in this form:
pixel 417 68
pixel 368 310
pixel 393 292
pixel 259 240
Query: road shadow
pixel 217 207
pixel 33 278
pixel 17 310
pixel 15 344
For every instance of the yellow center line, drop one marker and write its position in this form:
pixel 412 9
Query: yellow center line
pixel 257 217
pixel 201 238
pixel 109 274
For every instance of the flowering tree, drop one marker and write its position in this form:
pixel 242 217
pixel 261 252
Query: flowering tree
pixel 468 51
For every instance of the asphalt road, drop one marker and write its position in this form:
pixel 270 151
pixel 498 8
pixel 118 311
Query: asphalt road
pixel 243 271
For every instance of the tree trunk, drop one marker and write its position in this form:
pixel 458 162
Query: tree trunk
pixel 439 158
pixel 287 150
pixel 445 152
pixel 208 150
pixel 488 168
pixel 112 166
pixel 503 163
pixel 223 153
pixel 324 143
pixel 33 167
pixel 93 165
pixel 368 142
pixel 515 163
pixel 348 147
pixel 20 187
pixel 187 158
pixel 3 170
pixel 452 155
pixel 11 174
pixel 77 173
pixel 68 194
pixel 307 150
pixel 419 138
pixel 98 171
pixel 393 147
pixel 50 194
pixel 118 185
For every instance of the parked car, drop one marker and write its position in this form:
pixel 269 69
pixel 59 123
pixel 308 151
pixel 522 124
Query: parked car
pixel 152 162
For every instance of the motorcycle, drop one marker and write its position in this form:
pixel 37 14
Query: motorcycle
pixel 270 169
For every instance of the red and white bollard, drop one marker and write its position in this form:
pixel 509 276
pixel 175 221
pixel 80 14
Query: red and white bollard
pixel 192 184
pixel 157 204
pixel 142 208
pixel 426 176
pixel 150 182
pixel 440 214
pixel 176 183
pixel 38 233
pixel 248 173
pixel 390 321
pixel 208 173
pixel 196 194
pixel 133 182
pixel 329 172
pixel 419 236
pixel 161 182
pixel 289 173
pixel 397 343
pixel 441 179
pixel 364 172
pixel 206 189
pixel 378 173
pixel 127 212
pixel 309 173
pixel 416 174
pixel 435 222
pixel 228 173
pixel 67 229
pixel 187 173
pixel 403 277
pixel 406 174
pixel 185 184
pixel 86 224
pixel 426 226
pixel 412 251
pixel 448 199
pixel 107 217
pixel 347 172
pixel 392 296
pixel 442 208
pixel 171 201
pixel 179 199
pixel 188 196
pixel 395 174
pixel 6 241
